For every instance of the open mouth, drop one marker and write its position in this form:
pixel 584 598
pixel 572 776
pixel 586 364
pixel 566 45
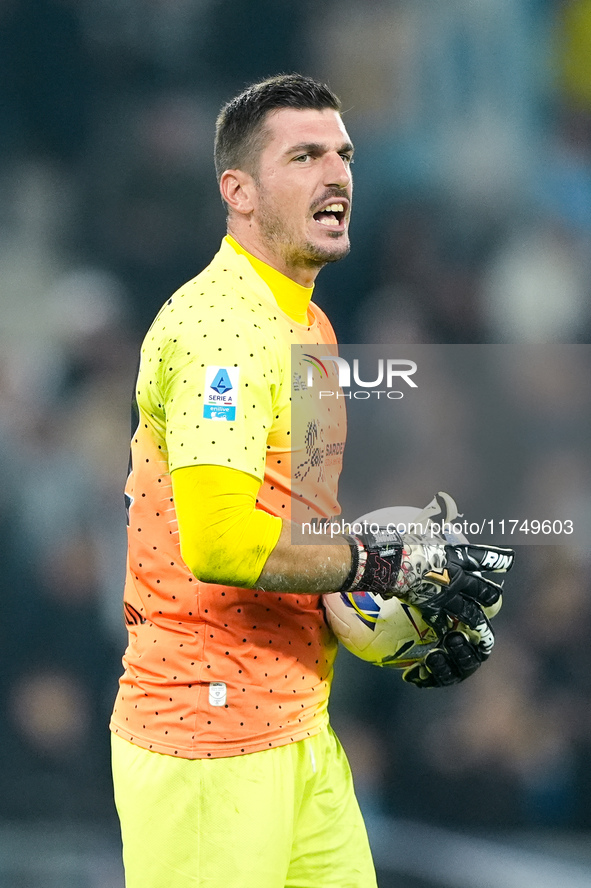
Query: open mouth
pixel 332 216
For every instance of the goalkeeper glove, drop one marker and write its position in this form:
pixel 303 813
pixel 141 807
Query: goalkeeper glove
pixel 442 580
pixel 446 581
pixel 458 656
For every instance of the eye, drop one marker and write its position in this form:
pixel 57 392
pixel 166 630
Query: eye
pixel 303 158
pixel 348 158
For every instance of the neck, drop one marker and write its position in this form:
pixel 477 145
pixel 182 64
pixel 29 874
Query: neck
pixel 304 275
pixel 291 297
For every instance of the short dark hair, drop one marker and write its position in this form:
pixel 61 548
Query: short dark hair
pixel 240 132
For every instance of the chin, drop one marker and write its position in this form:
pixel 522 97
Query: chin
pixel 321 254
pixel 335 255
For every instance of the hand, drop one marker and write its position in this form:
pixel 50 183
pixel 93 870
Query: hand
pixel 444 581
pixel 457 657
pixel 438 572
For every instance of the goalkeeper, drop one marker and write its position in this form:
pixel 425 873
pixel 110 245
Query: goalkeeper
pixel 226 771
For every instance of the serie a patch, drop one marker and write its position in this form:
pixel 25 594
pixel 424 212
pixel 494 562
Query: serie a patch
pixel 220 398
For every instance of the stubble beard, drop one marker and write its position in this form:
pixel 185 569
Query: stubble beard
pixel 294 253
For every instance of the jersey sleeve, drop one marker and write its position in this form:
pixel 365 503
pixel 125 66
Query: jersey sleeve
pixel 224 537
pixel 218 389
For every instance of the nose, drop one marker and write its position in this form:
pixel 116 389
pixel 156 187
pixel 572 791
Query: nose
pixel 337 170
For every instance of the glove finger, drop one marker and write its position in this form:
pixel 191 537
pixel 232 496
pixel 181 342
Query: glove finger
pixel 463 654
pixel 471 614
pixel 486 592
pixel 442 668
pixel 454 604
pixel 465 609
pixel 457 659
pixel 418 676
pixel 468 611
pixel 487 637
pixel 493 610
pixel 496 559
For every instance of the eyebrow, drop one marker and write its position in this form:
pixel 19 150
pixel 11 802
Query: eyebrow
pixel 318 148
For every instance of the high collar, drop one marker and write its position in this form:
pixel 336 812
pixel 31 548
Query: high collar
pixel 292 298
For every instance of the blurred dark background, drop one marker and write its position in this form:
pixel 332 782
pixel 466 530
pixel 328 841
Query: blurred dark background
pixel 472 224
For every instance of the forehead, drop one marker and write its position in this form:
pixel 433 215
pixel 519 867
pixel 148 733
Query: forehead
pixel 288 127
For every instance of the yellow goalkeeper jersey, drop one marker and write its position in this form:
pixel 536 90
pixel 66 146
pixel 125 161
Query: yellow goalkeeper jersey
pixel 216 670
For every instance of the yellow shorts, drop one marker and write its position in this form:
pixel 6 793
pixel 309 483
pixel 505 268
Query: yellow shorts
pixel 282 818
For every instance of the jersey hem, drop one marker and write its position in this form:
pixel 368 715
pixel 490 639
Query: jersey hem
pixel 215 751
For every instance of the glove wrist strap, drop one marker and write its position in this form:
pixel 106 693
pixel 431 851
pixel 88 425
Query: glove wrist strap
pixel 358 563
pixel 375 562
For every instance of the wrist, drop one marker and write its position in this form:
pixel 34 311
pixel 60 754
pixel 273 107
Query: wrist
pixel 375 562
pixel 358 563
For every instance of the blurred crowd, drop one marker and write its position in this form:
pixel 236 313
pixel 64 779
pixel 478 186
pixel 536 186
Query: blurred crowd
pixel 472 224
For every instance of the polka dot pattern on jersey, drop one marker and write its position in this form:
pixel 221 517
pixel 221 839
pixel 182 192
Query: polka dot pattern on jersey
pixel 268 656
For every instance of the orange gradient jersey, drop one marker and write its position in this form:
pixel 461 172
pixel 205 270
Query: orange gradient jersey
pixel 216 670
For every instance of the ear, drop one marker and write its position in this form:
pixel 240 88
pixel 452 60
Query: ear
pixel 238 190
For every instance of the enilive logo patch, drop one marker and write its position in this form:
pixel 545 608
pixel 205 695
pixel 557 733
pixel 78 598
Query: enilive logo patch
pixel 220 397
